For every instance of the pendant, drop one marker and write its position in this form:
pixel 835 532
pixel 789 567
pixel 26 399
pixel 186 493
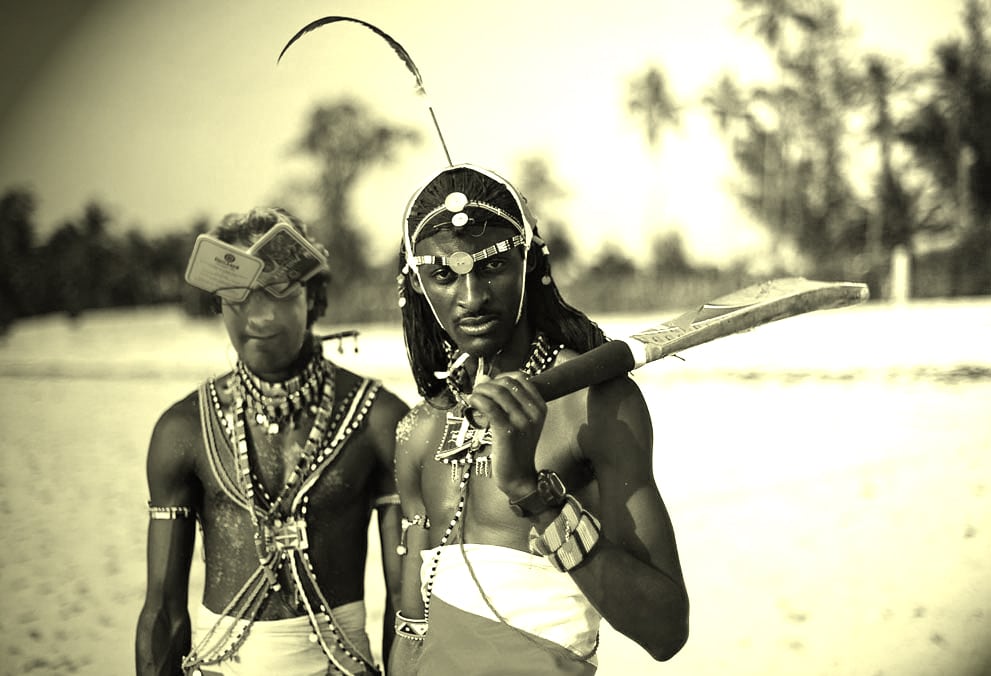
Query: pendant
pixel 482 467
pixel 269 427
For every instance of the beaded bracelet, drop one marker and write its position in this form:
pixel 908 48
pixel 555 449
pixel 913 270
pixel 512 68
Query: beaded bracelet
pixel 168 513
pixel 569 538
pixel 386 500
pixel 414 630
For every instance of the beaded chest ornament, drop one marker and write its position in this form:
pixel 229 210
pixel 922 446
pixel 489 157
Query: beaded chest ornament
pixel 461 443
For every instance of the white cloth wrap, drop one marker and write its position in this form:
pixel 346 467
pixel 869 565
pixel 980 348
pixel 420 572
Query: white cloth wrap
pixel 526 590
pixel 283 647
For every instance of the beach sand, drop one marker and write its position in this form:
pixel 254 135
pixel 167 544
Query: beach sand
pixel 830 520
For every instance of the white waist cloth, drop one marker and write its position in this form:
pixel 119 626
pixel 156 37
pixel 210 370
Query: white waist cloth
pixel 526 590
pixel 288 647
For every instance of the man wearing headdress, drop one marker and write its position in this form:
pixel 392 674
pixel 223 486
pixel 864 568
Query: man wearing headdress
pixel 519 536
pixel 281 462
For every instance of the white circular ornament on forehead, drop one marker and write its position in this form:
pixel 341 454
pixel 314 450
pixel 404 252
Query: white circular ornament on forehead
pixel 455 202
pixel 461 262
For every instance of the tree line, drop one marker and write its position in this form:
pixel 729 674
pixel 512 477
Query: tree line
pixel 845 157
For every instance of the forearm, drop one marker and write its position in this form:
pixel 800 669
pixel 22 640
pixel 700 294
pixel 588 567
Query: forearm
pixel 389 516
pixel 163 639
pixel 639 599
pixel 635 598
pixel 388 632
pixel 404 657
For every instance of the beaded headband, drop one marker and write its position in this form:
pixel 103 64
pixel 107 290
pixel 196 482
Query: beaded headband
pixel 456 203
pixel 462 262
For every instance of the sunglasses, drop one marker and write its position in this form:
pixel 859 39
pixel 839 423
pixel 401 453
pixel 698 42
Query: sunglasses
pixel 278 263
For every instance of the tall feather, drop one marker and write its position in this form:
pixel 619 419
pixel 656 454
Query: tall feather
pixel 396 46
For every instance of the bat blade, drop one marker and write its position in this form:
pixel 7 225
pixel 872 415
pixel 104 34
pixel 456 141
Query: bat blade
pixel 744 310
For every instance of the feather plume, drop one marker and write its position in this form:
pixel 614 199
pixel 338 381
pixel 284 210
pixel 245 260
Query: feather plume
pixel 396 46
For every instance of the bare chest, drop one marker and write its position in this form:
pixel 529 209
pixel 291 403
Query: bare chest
pixel 466 496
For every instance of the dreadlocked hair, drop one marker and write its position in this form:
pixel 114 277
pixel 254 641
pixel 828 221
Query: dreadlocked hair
pixel 245 229
pixel 425 339
pixel 427 344
pixel 547 311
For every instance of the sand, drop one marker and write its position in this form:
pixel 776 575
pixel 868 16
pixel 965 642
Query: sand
pixel 832 496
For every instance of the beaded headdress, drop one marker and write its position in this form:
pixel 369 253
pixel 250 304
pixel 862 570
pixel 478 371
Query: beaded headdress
pixel 454 211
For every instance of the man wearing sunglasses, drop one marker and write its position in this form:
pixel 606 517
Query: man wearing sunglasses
pixel 281 462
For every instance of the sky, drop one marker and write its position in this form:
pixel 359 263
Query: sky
pixel 166 112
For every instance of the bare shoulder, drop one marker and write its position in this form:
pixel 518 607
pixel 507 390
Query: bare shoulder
pixel 616 394
pixel 173 452
pixel 416 437
pixel 179 424
pixel 386 411
pixel 417 431
pixel 610 412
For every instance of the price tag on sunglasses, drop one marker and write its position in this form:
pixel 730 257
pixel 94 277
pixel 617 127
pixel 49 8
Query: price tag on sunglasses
pixel 223 269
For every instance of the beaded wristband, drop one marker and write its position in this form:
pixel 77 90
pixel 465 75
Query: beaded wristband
pixel 569 538
pixel 414 630
pixel 168 513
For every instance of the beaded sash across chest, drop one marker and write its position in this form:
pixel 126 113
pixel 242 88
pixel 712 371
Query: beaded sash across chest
pixel 279 520
pixel 461 443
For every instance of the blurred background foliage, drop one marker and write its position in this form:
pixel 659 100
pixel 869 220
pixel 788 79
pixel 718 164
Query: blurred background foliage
pixel 845 159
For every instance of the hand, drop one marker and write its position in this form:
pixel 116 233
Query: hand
pixel 516 413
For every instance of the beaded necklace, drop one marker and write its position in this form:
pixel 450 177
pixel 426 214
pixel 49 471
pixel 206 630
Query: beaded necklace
pixel 461 444
pixel 274 404
pixel 541 357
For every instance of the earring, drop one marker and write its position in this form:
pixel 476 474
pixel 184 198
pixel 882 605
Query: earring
pixel 401 287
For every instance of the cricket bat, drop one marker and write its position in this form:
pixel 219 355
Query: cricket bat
pixel 739 311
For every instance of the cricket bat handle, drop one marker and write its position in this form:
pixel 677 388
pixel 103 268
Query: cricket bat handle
pixel 605 362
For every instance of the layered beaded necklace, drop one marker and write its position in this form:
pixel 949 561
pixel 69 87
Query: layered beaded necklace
pixel 272 405
pixel 461 444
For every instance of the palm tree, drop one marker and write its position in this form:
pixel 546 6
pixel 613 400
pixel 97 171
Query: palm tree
pixel 650 98
pixel 950 138
pixel 770 19
pixel 346 140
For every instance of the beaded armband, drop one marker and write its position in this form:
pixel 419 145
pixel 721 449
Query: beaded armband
pixel 414 630
pixel 386 500
pixel 417 520
pixel 169 513
pixel 569 538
